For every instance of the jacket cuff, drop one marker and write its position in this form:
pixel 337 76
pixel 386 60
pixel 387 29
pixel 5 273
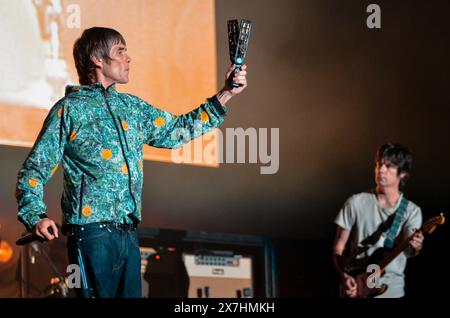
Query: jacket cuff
pixel 221 109
pixel 31 221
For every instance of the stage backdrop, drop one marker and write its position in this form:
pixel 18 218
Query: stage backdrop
pixel 171 44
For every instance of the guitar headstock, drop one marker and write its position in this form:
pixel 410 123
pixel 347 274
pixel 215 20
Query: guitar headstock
pixel 430 225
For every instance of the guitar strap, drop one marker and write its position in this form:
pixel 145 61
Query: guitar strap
pixel 398 218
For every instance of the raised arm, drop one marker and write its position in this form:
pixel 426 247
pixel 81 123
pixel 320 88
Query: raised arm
pixel 163 129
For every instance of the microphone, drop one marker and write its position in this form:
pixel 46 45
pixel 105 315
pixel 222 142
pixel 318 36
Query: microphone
pixel 33 237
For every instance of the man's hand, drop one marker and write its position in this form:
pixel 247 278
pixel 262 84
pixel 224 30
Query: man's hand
pixel 41 229
pixel 416 241
pixel 239 78
pixel 228 91
pixel 350 286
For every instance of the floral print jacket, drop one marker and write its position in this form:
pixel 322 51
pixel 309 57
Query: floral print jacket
pixel 98 135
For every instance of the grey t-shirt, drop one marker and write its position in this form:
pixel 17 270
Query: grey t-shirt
pixel 362 215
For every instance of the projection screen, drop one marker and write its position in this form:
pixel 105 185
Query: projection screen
pixel 171 44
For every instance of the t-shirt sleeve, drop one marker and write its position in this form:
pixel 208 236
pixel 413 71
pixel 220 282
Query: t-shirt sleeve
pixel 413 221
pixel 346 217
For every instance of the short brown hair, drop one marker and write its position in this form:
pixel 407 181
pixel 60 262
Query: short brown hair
pixel 97 42
pixel 399 155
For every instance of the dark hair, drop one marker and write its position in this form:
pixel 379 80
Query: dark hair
pixel 398 155
pixel 97 42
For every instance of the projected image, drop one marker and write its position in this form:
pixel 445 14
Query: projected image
pixel 34 71
pixel 171 44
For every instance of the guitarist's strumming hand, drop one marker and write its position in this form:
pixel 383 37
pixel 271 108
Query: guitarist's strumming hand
pixel 349 283
pixel 416 241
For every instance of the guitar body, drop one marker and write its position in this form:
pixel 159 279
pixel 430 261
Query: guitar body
pixel 365 279
pixel 363 289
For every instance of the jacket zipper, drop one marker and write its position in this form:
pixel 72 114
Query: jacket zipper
pixel 121 146
pixel 81 196
pixel 123 133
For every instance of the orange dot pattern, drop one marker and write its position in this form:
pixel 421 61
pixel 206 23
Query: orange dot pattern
pixel 204 117
pixel 33 182
pixel 106 154
pixel 86 211
pixel 159 122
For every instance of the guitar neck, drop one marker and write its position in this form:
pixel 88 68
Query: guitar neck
pixel 395 252
pixel 428 227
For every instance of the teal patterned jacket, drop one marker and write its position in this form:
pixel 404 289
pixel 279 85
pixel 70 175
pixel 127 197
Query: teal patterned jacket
pixel 98 136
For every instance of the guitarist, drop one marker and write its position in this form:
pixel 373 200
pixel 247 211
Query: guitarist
pixel 369 221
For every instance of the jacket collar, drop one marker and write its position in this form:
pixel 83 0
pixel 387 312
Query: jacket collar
pixel 96 87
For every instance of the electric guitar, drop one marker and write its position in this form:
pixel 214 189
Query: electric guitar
pixel 381 258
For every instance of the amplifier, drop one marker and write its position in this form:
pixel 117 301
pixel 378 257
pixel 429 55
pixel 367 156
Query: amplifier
pixel 181 264
pixel 219 276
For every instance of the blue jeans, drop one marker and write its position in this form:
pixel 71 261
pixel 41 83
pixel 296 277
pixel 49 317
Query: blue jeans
pixel 108 258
